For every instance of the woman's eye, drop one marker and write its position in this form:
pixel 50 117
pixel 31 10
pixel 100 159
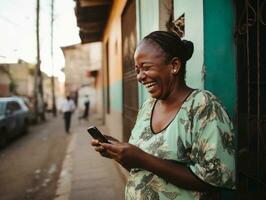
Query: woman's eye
pixel 146 68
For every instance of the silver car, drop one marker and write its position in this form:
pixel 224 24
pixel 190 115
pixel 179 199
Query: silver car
pixel 14 118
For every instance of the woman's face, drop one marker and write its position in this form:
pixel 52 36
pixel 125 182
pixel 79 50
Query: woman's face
pixel 153 72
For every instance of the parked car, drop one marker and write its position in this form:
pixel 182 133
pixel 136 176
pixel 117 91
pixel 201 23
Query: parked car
pixel 14 118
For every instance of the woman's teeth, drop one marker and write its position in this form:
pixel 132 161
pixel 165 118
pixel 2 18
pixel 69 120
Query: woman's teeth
pixel 148 85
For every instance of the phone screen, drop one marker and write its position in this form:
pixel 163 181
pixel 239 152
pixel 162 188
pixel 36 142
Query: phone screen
pixel 96 134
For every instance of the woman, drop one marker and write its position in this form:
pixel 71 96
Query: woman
pixel 182 144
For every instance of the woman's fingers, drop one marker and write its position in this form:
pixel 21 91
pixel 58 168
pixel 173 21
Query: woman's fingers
pixel 112 150
pixel 99 148
pixel 112 154
pixel 95 142
pixel 104 153
pixel 126 154
pixel 111 147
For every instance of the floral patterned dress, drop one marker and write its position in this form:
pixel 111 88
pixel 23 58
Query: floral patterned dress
pixel 200 136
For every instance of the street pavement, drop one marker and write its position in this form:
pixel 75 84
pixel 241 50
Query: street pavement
pixel 30 164
pixel 85 175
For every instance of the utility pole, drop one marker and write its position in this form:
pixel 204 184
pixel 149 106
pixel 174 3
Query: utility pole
pixel 52 58
pixel 38 87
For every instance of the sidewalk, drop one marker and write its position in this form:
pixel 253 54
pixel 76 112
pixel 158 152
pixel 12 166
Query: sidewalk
pixel 85 174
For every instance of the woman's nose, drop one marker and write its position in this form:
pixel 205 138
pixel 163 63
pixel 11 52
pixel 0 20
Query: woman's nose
pixel 141 76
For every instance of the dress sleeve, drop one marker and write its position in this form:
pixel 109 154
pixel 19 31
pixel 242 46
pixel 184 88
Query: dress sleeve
pixel 213 145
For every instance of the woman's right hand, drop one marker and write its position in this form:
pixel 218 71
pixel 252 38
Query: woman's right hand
pixel 100 149
pixel 128 155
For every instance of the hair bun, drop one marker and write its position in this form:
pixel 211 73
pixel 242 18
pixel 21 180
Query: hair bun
pixel 189 49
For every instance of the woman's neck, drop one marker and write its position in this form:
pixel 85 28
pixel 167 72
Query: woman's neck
pixel 178 95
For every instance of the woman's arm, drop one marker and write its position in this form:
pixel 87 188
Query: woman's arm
pixel 131 156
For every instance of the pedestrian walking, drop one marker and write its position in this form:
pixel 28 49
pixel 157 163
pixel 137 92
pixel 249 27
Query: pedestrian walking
pixel 182 146
pixel 87 107
pixel 68 107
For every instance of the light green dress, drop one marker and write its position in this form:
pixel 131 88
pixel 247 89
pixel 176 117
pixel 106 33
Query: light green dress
pixel 201 136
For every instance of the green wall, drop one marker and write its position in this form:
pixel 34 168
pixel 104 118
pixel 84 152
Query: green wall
pixel 147 21
pixel 116 96
pixel 219 51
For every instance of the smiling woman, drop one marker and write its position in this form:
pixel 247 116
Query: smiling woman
pixel 182 145
pixel 155 58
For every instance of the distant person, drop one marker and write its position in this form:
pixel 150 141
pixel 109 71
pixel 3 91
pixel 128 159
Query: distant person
pixel 68 107
pixel 87 107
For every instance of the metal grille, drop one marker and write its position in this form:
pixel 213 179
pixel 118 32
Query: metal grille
pixel 130 85
pixel 251 112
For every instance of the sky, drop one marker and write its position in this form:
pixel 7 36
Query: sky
pixel 18 32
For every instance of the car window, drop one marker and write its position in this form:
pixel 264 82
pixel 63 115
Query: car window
pixel 13 106
pixel 9 106
pixel 16 106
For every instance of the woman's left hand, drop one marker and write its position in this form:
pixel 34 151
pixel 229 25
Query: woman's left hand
pixel 128 155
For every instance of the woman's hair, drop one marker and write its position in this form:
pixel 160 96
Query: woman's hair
pixel 172 46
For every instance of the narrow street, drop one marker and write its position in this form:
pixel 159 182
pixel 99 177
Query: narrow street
pixel 31 164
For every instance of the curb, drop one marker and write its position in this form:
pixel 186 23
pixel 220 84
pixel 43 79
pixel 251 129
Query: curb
pixel 64 183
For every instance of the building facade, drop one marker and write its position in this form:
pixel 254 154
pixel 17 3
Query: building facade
pixel 82 65
pixel 16 79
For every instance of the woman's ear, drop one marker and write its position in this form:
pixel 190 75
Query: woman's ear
pixel 176 65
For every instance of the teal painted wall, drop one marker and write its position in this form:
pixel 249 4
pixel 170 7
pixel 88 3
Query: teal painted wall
pixel 193 11
pixel 148 16
pixel 116 96
pixel 219 51
pixel 147 21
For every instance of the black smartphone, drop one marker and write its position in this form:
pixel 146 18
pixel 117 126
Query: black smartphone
pixel 96 134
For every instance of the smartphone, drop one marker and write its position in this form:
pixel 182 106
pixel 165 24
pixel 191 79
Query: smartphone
pixel 96 134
